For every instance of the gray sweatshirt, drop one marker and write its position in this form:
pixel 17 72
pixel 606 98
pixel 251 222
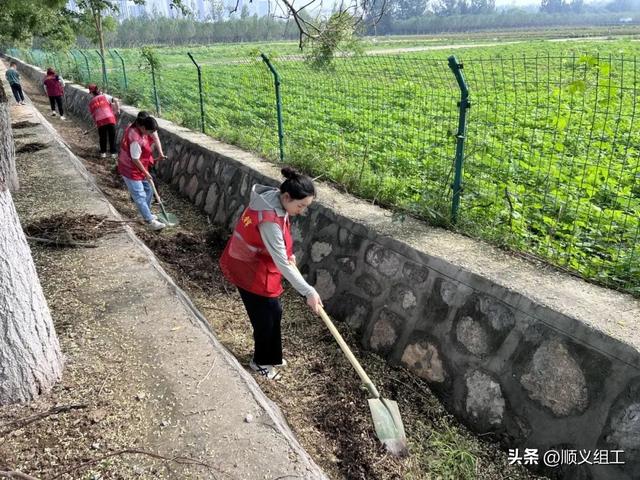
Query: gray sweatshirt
pixel 268 198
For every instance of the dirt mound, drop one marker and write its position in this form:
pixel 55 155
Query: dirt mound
pixel 67 229
pixel 195 254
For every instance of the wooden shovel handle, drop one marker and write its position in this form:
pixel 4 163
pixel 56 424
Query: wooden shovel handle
pixel 347 352
pixel 155 192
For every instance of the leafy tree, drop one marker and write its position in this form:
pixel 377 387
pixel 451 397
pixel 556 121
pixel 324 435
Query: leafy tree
pixel 22 20
pixel 623 5
pixel 94 16
pixel 405 9
pixel 561 6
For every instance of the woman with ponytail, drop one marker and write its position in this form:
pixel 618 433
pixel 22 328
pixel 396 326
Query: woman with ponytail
pixel 257 256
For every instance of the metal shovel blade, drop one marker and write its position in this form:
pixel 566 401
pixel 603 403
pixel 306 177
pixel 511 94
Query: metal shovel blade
pixel 388 425
pixel 169 219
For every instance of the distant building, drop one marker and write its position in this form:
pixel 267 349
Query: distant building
pixel 200 9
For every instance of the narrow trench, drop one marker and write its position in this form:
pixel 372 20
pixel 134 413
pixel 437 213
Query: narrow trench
pixel 320 394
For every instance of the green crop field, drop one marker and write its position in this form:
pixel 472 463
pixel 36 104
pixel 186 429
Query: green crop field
pixel 551 162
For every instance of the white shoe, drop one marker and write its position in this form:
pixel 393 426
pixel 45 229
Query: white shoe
pixel 268 371
pixel 53 114
pixel 281 365
pixel 22 103
pixel 103 155
pixel 62 117
pixel 114 155
pixel 155 225
pixel 153 217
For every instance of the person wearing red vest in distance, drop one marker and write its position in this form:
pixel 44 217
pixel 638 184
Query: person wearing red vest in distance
pixel 133 164
pixel 258 254
pixel 54 86
pixel 104 109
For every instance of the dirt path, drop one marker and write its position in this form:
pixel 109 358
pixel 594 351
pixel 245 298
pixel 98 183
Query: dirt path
pixel 320 394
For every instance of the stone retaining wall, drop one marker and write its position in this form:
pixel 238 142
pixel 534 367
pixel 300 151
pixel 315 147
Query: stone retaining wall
pixel 542 360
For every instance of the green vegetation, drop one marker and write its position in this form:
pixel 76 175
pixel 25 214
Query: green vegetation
pixel 551 163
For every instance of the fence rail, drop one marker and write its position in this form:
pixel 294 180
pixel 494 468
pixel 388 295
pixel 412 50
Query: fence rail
pixel 551 148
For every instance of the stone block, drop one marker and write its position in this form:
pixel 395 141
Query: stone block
pixel 192 188
pixel 369 285
pixel 436 309
pixel 386 331
pixel 484 403
pixel 472 335
pixel 245 184
pixel 191 166
pixel 211 201
pixel 415 273
pixel 354 310
pixel 320 250
pixel 199 198
pixel 423 359
pixel 554 380
pixel 482 324
pixel 200 163
pixel 296 232
pixel 404 297
pixel 385 261
pixel 346 264
pixel 622 428
pixel 324 284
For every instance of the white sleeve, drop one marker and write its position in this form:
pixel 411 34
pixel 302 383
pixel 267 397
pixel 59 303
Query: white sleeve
pixel 135 150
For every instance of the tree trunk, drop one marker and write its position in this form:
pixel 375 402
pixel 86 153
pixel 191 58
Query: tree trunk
pixel 8 174
pixel 97 16
pixel 30 358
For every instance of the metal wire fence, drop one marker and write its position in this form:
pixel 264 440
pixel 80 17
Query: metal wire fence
pixel 552 162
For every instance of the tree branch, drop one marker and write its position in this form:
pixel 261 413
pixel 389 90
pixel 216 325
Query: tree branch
pixel 16 475
pixel 23 422
pixel 179 460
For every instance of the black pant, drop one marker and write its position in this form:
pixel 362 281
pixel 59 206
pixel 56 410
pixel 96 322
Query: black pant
pixel 16 88
pixel 107 131
pixel 265 314
pixel 56 100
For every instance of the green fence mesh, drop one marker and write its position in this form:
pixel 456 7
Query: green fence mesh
pixel 551 167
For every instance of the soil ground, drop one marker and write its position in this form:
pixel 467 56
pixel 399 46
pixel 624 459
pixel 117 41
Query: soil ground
pixel 320 394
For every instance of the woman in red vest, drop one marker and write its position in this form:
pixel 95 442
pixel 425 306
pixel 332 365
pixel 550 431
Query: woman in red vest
pixel 258 254
pixel 133 164
pixel 104 109
pixel 54 86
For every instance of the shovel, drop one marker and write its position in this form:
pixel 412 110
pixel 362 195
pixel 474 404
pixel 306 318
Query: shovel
pixel 385 413
pixel 169 219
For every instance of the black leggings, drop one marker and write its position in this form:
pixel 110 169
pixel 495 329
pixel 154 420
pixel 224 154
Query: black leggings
pixel 56 100
pixel 265 314
pixel 107 132
pixel 16 88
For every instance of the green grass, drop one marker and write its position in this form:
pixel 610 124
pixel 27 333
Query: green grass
pixel 551 165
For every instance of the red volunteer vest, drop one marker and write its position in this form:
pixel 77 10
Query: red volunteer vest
pixel 246 262
pixel 53 86
pixel 101 111
pixel 126 167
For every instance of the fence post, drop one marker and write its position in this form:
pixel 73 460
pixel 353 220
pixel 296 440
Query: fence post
pixel 86 60
pixel 124 71
pixel 77 66
pixel 105 82
pixel 463 105
pixel 200 90
pixel 276 80
pixel 155 89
